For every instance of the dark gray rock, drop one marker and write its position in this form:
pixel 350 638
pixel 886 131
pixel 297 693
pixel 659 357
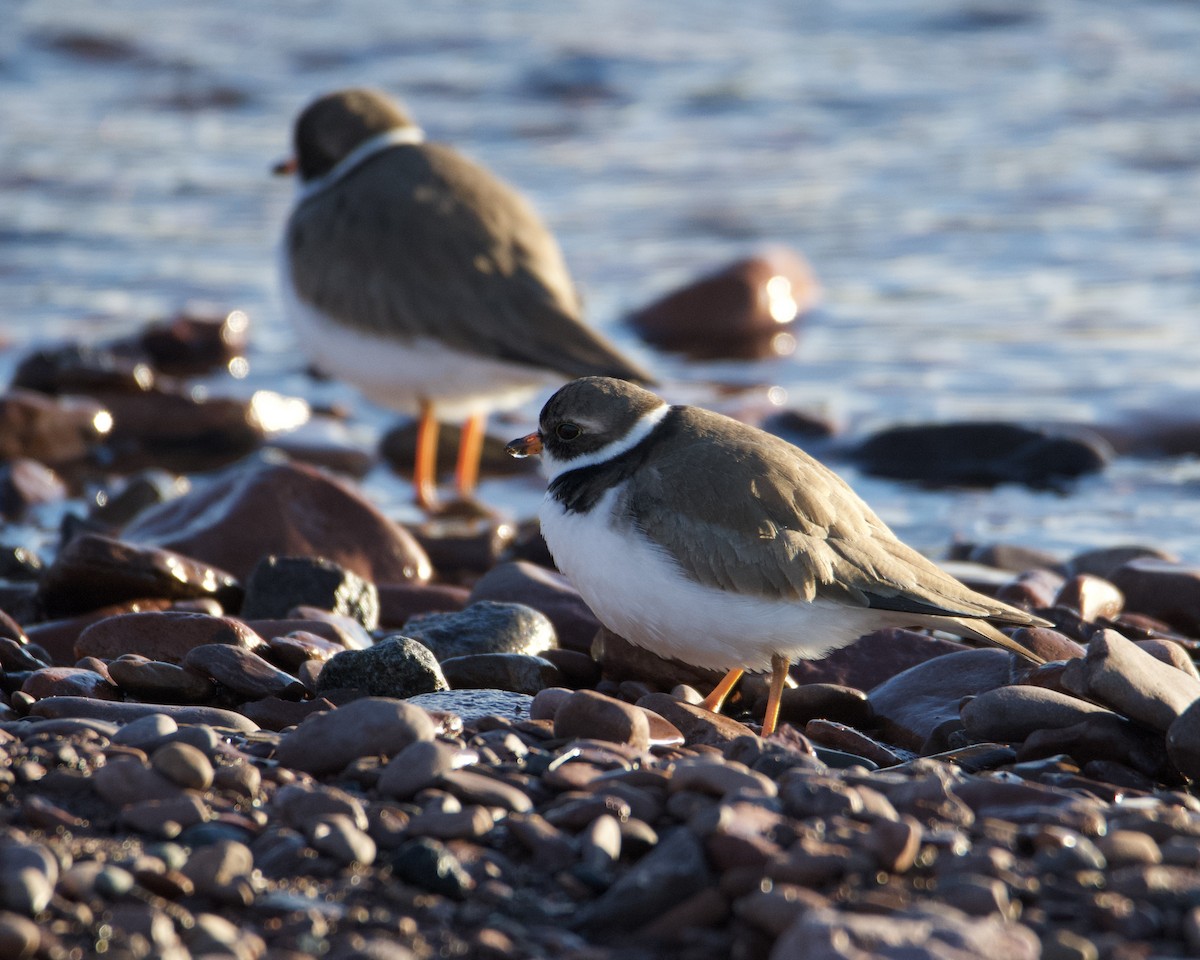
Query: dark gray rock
pixel 277 585
pixel 982 454
pixel 430 865
pixel 484 627
pixel 395 667
pixel 517 672
pixel 546 590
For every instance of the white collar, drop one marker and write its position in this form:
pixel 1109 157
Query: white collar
pixel 364 151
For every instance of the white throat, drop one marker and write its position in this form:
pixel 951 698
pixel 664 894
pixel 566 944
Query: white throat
pixel 363 152
pixel 552 467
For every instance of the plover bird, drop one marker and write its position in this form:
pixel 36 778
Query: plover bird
pixel 413 273
pixel 710 541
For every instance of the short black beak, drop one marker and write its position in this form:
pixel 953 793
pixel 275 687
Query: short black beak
pixel 526 446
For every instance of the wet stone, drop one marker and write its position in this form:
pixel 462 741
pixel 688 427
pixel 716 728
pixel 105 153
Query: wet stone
pixel 673 871
pixel 293 649
pixel 914 703
pixel 397 666
pixel 20 937
pixel 159 681
pixel 183 764
pixel 1183 742
pixel 399 602
pixel 473 705
pixel 326 742
pixel 418 766
pixel 1171 653
pixel 17 657
pixel 933 932
pixel 870 660
pixel 517 672
pixel 125 780
pixel 430 865
pixel 69 682
pixel 165 635
pixel 982 454
pixel 260 508
pixel 744 310
pixel 825 701
pixel 546 590
pixel 838 736
pixel 28 874
pixel 52 430
pixel 147 732
pixel 222 871
pixel 1091 596
pixel 591 715
pixel 621 660
pixel 25 484
pixel 337 836
pixel 94 571
pixel 1102 737
pixel 698 726
pixel 471 787
pixel 279 584
pixel 483 627
pixel 1163 589
pixel 114 712
pixel 166 819
pixel 272 713
pixel 1049 644
pixel 1119 674
pixel 1013 713
pixel 462 547
pixel 242 671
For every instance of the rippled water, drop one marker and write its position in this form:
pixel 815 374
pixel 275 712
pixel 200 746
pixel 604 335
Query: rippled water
pixel 1002 199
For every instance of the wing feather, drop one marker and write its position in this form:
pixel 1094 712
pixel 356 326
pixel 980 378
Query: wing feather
pixel 784 526
pixel 458 247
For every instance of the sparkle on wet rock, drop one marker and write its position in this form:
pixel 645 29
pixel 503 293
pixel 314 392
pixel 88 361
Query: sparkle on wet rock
pixel 781 303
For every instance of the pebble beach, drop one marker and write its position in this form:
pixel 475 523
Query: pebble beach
pixel 254 705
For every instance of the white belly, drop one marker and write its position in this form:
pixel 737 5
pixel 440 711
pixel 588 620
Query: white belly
pixel 641 593
pixel 400 374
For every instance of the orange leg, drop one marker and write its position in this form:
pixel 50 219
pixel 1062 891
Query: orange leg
pixel 779 675
pixel 716 699
pixel 425 461
pixel 470 449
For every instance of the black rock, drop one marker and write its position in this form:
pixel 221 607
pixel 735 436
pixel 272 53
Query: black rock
pixel 395 667
pixel 518 672
pixel 982 454
pixel 279 584
pixel 430 865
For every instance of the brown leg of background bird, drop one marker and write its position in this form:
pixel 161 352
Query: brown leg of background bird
pixel 779 673
pixel 425 460
pixel 470 449
pixel 716 699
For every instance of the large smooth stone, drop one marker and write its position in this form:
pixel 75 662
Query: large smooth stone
pixel 913 704
pixel 261 508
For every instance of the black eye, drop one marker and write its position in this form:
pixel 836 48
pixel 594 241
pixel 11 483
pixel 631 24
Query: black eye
pixel 567 431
